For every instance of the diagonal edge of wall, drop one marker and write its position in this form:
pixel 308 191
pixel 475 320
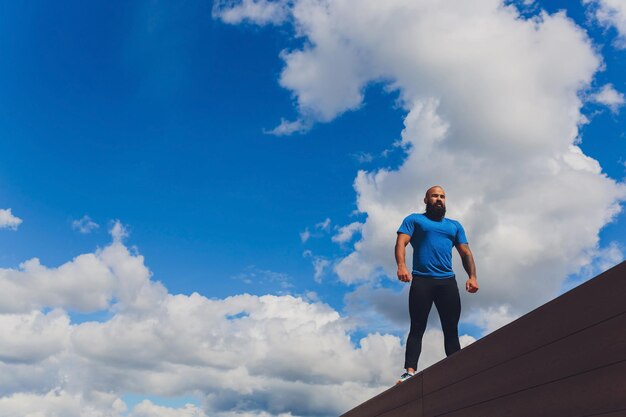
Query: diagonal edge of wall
pixel 565 358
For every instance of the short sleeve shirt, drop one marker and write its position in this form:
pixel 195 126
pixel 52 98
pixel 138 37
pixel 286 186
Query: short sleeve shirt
pixel 432 243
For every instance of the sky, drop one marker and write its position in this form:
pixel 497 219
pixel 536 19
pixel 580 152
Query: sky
pixel 199 200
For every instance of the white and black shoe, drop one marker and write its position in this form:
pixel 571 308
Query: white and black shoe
pixel 404 377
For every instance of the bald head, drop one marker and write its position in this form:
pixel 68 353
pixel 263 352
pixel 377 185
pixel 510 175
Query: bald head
pixel 434 188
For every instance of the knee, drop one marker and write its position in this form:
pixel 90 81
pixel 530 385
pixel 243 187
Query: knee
pixel 417 331
pixel 450 331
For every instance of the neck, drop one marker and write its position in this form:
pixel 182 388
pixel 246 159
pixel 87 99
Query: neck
pixel 434 217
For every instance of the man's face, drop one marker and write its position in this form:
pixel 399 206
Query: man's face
pixel 435 202
pixel 436 197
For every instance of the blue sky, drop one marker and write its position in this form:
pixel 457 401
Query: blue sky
pixel 170 141
pixel 132 117
pixel 156 117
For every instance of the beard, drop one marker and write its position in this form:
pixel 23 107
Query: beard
pixel 435 211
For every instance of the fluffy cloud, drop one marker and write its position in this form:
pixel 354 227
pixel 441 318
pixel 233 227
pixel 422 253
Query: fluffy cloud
pixel 33 337
pixel 325 225
pixel 57 403
pixel 263 278
pixel 60 403
pixel 90 282
pixel 363 157
pixel 320 230
pixel 118 231
pixel 85 225
pixel 596 260
pixel 493 105
pixel 261 12
pixel 8 220
pixel 610 13
pixel 305 236
pixel 609 97
pixel 288 127
pixel 239 356
pixel 148 409
pixel 320 264
pixel 346 233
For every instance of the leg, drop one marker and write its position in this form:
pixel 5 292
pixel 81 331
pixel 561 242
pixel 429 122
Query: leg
pixel 448 303
pixel 420 302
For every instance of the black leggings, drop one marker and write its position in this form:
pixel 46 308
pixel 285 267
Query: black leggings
pixel 445 294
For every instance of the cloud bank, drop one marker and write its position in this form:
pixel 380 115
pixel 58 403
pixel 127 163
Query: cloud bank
pixel 239 356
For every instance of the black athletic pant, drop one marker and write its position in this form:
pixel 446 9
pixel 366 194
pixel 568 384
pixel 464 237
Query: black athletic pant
pixel 445 294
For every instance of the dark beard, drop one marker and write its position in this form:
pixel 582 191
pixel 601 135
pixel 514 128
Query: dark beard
pixel 435 212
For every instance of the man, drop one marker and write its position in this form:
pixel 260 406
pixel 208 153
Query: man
pixel 432 237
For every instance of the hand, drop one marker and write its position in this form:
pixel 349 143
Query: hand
pixel 403 274
pixel 471 285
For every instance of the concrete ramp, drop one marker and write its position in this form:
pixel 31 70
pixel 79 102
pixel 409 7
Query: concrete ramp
pixel 566 358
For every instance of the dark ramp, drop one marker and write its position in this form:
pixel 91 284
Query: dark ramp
pixel 567 358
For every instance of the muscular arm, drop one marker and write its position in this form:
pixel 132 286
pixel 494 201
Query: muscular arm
pixel 468 263
pixel 401 241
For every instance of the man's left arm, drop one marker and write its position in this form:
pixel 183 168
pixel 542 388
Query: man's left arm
pixel 468 263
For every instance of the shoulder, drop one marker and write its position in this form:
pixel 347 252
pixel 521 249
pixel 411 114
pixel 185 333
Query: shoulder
pixel 455 223
pixel 409 224
pixel 414 217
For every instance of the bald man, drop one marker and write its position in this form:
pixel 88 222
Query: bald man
pixel 432 237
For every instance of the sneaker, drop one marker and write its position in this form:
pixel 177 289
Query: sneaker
pixel 404 377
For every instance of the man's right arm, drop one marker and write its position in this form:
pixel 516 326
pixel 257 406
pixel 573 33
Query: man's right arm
pixel 401 241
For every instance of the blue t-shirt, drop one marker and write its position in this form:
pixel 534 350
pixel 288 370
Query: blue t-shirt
pixel 432 243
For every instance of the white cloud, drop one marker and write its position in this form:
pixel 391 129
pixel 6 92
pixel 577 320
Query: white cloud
pixel 595 261
pixel 325 225
pixel 264 278
pixel 305 236
pixel 261 12
pixel 286 127
pixel 610 13
pixel 33 336
pixel 379 309
pixel 433 347
pixel 58 402
pixel 89 282
pixel 254 414
pixel 85 225
pixel 493 317
pixel 118 231
pixel 320 264
pixel 345 233
pixel 8 220
pixel 493 110
pixel 609 97
pixel 322 228
pixel 239 356
pixel 363 157
pixel 147 409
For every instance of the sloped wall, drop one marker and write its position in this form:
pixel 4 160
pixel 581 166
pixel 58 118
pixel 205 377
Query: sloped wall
pixel 566 358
